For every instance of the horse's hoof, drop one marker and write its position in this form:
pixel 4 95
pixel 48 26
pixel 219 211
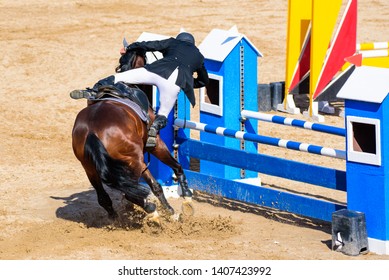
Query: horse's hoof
pixel 187 207
pixel 170 210
pixel 150 207
pixel 154 218
pixel 175 217
pixel 113 216
pixel 186 193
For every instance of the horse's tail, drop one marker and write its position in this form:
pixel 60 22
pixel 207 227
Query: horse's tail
pixel 114 173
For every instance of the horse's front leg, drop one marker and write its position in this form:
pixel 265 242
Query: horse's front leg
pixel 157 190
pixel 186 192
pixel 163 154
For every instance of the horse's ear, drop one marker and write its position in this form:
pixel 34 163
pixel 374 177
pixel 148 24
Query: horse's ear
pixel 125 45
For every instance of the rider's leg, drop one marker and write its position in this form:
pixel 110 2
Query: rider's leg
pixel 136 76
pixel 133 76
pixel 159 122
pixel 86 93
pixel 168 92
pixel 166 105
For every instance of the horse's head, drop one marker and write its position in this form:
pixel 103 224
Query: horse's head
pixel 130 59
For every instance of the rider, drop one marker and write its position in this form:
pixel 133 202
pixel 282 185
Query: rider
pixel 181 59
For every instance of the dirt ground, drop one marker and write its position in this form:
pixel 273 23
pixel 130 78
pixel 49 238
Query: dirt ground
pixel 48 209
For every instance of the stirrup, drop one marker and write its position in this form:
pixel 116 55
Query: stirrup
pixel 151 142
pixel 80 93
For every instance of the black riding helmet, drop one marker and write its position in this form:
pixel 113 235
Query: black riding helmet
pixel 186 37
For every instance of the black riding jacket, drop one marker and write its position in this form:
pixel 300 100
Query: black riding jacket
pixel 177 54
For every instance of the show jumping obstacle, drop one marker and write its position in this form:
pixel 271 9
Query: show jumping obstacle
pixel 229 162
pixel 227 151
pixel 363 181
pixel 241 189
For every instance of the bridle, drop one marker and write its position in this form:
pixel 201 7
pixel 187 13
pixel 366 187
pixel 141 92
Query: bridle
pixel 131 59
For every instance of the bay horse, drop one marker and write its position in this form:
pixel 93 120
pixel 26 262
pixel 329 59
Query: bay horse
pixel 108 138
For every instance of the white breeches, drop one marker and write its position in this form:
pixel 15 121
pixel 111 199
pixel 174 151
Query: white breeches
pixel 168 90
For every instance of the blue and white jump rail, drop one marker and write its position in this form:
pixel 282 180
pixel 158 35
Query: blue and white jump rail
pixel 294 122
pixel 267 140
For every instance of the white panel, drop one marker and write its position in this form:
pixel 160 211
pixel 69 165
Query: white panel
pixel 379 247
pixel 366 83
pixel 208 107
pixel 357 156
pixel 218 44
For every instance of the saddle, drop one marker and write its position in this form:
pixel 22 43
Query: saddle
pixel 124 92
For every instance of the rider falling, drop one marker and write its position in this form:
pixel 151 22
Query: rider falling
pixel 175 71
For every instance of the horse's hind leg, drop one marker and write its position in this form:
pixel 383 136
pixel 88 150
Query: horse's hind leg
pixel 102 197
pixel 139 195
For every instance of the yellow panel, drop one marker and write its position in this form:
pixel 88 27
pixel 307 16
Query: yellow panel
pixel 366 46
pixel 382 61
pixel 376 61
pixel 299 16
pixel 324 18
pixel 345 66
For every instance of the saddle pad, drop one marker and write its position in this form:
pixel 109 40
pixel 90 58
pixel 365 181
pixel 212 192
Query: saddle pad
pixel 141 113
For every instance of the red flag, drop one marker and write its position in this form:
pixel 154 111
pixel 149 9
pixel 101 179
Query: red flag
pixel 355 59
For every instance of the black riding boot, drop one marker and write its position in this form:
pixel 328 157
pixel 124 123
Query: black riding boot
pixel 86 93
pixel 159 123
